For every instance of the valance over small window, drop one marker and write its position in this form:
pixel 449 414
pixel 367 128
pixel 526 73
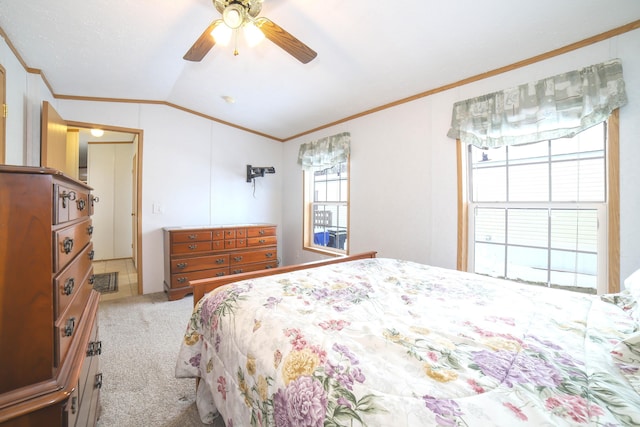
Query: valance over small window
pixel 555 107
pixel 325 152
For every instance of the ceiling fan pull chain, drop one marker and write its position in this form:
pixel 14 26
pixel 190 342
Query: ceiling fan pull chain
pixel 235 42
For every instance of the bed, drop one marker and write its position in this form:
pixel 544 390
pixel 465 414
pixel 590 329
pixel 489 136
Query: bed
pixel 386 342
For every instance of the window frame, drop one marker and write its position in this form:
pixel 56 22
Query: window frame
pixel 308 222
pixel 611 244
pixel 3 114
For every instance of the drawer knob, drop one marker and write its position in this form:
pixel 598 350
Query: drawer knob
pixel 261 241
pixel 237 258
pixel 237 271
pixel 69 284
pixel 92 254
pixel 90 230
pixel 67 245
pixel 81 204
pixel 92 278
pixel 181 265
pixel 192 247
pixel 181 279
pixel 98 383
pixel 220 274
pixel 220 261
pixel 262 232
pixel 269 255
pixel 193 236
pixel 71 195
pixel 69 327
pixel 74 405
pixel 94 199
pixel 94 348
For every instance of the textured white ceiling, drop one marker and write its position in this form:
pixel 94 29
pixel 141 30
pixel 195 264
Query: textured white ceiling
pixel 370 52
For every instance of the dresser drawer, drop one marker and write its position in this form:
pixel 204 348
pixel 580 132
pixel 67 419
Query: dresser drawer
pixel 241 233
pixel 188 248
pixel 183 279
pixel 261 241
pixel 69 242
pixel 249 257
pixel 72 408
pixel 199 263
pixel 90 380
pixel 68 322
pixel 70 203
pixel 93 350
pixel 252 267
pixel 261 231
pixel 67 283
pixel 191 236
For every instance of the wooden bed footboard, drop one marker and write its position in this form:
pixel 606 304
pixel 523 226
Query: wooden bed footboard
pixel 202 286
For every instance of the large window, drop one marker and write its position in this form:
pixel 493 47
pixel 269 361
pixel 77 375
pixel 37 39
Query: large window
pixel 327 209
pixel 538 212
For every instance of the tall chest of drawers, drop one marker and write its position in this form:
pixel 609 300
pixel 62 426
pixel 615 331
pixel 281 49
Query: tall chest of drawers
pixel 49 347
pixel 192 253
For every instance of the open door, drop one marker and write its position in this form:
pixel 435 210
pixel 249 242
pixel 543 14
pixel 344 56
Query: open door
pixel 55 150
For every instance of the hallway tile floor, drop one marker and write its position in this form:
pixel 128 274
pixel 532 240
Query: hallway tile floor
pixel 127 277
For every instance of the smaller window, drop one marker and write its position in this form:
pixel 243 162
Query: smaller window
pixel 326 213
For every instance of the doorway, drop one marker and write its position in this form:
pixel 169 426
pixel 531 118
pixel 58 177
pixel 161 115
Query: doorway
pixel 60 137
pixel 110 163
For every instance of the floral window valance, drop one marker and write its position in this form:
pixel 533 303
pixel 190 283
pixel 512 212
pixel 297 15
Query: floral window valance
pixel 325 152
pixel 555 107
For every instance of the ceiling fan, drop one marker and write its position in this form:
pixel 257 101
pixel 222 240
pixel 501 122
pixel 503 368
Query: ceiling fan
pixel 237 14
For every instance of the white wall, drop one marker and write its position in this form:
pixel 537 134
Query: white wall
pixel 403 167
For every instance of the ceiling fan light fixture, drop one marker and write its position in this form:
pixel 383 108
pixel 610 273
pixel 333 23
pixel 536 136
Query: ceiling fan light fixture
pixel 252 34
pixel 245 13
pixel 234 15
pixel 222 34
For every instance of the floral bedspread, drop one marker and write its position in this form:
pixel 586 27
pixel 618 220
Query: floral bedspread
pixel 384 342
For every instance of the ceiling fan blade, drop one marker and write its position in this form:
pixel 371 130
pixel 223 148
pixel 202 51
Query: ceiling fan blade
pixel 203 45
pixel 285 41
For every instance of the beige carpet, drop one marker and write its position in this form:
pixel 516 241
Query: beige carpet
pixel 141 337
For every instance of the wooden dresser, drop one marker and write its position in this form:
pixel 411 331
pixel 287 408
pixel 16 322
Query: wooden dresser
pixel 192 253
pixel 49 347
